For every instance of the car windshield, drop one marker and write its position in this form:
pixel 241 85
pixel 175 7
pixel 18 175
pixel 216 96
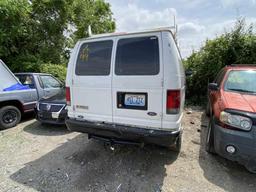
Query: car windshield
pixel 241 81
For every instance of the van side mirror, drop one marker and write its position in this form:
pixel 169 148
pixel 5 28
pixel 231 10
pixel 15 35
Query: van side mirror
pixel 188 72
pixel 213 87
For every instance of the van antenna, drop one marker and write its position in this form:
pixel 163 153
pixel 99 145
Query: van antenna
pixel 89 31
pixel 175 26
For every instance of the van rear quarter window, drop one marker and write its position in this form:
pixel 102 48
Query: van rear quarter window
pixel 137 56
pixel 94 58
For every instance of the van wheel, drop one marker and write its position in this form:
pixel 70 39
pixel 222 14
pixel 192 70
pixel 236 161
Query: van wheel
pixel 177 146
pixel 210 137
pixel 10 116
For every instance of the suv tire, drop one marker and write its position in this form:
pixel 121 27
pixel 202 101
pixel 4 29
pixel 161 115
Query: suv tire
pixel 209 144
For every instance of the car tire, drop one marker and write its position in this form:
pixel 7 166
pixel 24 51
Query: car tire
pixel 209 144
pixel 207 110
pixel 10 116
pixel 251 166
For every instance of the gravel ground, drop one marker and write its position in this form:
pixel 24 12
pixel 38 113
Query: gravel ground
pixel 34 157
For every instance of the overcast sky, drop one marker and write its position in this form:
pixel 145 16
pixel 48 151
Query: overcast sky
pixel 197 19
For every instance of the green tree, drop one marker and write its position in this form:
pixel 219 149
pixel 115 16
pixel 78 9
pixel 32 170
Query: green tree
pixel 95 13
pixel 51 18
pixel 235 47
pixel 15 30
pixel 36 32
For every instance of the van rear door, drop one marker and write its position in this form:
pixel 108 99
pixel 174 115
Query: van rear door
pixel 137 80
pixel 91 89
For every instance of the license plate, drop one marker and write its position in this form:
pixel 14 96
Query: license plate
pixel 134 100
pixel 55 115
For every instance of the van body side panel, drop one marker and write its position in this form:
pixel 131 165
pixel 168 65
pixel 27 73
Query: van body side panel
pixel 70 77
pixel 174 79
pixel 149 116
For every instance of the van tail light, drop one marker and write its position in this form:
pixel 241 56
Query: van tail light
pixel 68 98
pixel 173 102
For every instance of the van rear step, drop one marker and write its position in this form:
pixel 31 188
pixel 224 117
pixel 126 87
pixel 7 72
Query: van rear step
pixel 112 141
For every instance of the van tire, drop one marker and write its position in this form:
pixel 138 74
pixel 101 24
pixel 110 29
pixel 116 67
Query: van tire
pixel 177 146
pixel 178 143
pixel 10 116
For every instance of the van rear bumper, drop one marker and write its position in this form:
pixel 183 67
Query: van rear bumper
pixel 124 133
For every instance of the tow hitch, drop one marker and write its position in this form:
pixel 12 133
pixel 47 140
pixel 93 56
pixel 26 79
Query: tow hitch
pixel 111 141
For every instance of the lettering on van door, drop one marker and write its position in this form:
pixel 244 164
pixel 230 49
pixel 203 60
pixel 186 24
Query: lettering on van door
pixel 82 107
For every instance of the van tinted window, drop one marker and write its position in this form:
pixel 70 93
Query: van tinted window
pixel 137 56
pixel 94 58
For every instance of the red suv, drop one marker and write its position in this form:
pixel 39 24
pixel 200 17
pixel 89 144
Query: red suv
pixel 232 110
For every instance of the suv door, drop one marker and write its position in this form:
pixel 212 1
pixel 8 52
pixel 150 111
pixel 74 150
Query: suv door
pixel 31 95
pixel 50 85
pixel 215 95
pixel 27 80
pixel 137 81
pixel 91 83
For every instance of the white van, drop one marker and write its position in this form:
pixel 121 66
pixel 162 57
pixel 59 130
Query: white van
pixel 127 88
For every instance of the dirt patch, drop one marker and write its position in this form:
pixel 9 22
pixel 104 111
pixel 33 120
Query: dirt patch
pixel 34 157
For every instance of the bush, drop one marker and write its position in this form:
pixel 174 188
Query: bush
pixel 24 63
pixel 235 47
pixel 29 63
pixel 57 70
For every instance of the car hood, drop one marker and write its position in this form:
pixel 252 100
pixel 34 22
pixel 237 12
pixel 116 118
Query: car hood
pixel 7 78
pixel 60 98
pixel 240 101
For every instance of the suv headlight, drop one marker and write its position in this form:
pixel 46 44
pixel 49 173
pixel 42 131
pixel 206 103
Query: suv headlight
pixel 236 121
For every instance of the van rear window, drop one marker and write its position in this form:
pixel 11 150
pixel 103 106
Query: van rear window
pixel 94 58
pixel 137 56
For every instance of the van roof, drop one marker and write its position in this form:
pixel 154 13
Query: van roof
pixel 169 29
pixel 161 29
pixel 240 67
pixel 31 73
